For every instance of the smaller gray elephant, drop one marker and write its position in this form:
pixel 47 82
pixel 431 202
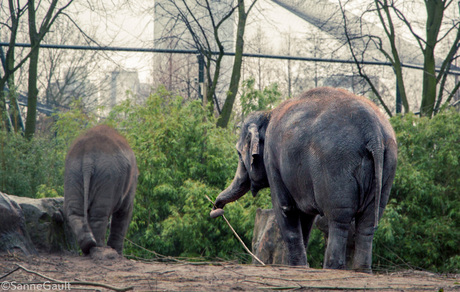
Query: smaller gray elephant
pixel 100 181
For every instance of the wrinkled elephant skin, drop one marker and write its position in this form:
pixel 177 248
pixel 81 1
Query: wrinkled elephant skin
pixel 328 153
pixel 100 181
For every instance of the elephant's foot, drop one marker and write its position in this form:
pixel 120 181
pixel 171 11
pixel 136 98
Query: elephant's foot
pixel 362 259
pixel 363 270
pixel 116 245
pixel 335 265
pixel 86 242
pixel 104 253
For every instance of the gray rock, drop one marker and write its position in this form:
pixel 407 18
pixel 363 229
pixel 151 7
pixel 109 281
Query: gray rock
pixel 13 233
pixel 267 243
pixel 46 225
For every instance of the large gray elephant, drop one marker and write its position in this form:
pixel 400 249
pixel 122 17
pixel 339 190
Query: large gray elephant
pixel 100 181
pixel 328 153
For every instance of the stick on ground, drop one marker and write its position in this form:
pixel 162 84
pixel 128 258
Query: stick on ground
pixel 79 283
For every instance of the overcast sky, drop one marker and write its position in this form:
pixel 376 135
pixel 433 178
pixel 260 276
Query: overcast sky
pixel 126 28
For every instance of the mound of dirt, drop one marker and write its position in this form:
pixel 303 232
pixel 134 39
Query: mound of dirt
pixel 78 273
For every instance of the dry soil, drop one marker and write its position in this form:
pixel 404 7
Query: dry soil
pixel 83 273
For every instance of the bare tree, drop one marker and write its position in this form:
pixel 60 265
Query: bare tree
pixel 197 24
pixel 237 62
pixel 438 31
pixel 12 63
pixel 36 35
pixel 15 12
pixel 207 27
pixel 65 74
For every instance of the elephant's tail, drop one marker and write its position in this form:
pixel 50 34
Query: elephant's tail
pixel 377 151
pixel 87 173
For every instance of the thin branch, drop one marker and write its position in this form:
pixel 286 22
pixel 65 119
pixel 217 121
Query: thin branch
pixel 81 30
pixel 403 18
pixel 237 236
pixel 452 93
pixel 82 283
pixel 450 56
pixel 153 252
pixel 360 69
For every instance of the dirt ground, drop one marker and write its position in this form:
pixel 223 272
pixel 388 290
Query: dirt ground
pixel 83 273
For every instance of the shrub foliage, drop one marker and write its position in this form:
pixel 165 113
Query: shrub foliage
pixel 421 224
pixel 182 158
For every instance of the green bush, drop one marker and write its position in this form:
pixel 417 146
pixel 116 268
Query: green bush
pixel 253 99
pixel 28 166
pixel 421 225
pixel 35 168
pixel 182 157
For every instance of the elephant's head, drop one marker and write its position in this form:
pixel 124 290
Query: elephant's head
pixel 250 174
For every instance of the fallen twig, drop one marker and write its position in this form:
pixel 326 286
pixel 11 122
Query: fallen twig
pixel 81 283
pixel 154 253
pixel 322 288
pixel 9 273
pixel 237 236
pixel 338 288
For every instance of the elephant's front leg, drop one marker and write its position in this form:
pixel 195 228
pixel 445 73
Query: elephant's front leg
pixel 291 230
pixel 289 221
pixel 307 221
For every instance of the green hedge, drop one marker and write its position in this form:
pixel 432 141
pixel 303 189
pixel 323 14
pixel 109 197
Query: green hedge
pixel 182 157
pixel 421 224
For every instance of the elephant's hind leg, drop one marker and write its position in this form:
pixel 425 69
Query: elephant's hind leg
pixel 98 221
pixel 99 227
pixel 362 259
pixel 74 211
pixel 85 238
pixel 335 257
pixel 118 228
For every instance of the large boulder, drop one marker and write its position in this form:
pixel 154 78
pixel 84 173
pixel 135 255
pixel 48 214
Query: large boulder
pixel 46 225
pixel 13 234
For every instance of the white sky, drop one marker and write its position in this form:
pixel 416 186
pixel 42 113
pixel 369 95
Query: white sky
pixel 126 28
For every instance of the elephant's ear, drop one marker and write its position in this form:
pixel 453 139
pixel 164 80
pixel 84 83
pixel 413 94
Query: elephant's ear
pixel 254 141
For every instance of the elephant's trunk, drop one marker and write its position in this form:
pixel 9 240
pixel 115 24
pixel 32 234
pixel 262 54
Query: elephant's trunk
pixel 240 185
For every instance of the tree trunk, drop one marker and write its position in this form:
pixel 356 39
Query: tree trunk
pixel 429 85
pixel 32 95
pixel 227 109
pixel 33 72
pixel 435 12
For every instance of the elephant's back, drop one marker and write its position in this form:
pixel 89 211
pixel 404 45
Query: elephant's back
pixel 325 126
pixel 101 139
pixel 104 152
pixel 329 111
